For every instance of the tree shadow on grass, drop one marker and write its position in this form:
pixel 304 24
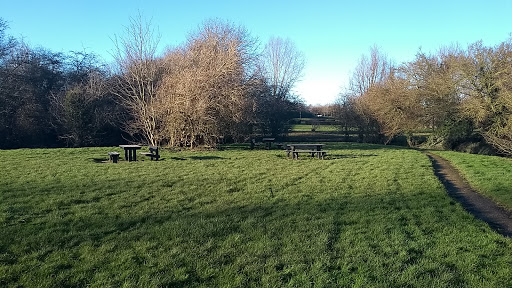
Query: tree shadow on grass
pixel 100 160
pixel 276 222
pixel 349 156
pixel 177 158
pixel 206 158
pixel 331 156
pixel 363 146
pixel 106 160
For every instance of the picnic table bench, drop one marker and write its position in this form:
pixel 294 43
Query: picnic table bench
pixel 153 153
pixel 313 149
pixel 267 142
pixel 114 156
pixel 319 154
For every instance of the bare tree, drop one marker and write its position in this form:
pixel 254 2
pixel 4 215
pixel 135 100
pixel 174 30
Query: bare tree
pixel 84 111
pixel 488 100
pixel 138 72
pixel 396 108
pixel 27 79
pixel 6 42
pixel 282 65
pixel 369 71
pixel 205 89
pixel 437 81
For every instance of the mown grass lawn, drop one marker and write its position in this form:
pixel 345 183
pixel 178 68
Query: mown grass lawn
pixel 490 175
pixel 318 128
pixel 369 216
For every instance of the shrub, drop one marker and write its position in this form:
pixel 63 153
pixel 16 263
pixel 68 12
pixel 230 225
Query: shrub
pixel 453 133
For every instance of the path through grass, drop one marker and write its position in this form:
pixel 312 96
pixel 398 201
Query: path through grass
pixel 490 175
pixel 368 216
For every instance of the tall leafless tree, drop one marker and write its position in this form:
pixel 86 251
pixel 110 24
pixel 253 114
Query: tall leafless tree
pixel 138 70
pixel 369 71
pixel 282 65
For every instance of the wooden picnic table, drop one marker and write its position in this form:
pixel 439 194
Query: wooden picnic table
pixel 313 148
pixel 316 146
pixel 130 152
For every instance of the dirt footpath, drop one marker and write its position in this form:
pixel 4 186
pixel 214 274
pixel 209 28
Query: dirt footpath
pixel 480 206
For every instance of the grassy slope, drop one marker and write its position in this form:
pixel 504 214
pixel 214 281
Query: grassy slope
pixel 490 175
pixel 238 218
pixel 318 128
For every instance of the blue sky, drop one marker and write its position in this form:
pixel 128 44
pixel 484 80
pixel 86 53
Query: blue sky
pixel 332 34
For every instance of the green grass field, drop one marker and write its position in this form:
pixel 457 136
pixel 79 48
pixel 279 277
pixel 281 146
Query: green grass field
pixel 490 175
pixel 369 216
pixel 318 128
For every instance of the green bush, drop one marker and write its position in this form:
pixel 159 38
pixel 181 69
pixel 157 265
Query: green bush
pixel 453 133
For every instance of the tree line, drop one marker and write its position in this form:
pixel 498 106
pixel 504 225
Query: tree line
pixel 463 96
pixel 217 86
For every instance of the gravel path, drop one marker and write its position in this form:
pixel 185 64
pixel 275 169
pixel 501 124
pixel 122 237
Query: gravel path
pixel 480 206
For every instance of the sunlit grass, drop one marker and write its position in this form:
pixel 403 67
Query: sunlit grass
pixel 490 175
pixel 318 128
pixel 369 215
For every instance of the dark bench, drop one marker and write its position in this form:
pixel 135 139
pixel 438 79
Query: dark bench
pixel 319 154
pixel 153 153
pixel 114 156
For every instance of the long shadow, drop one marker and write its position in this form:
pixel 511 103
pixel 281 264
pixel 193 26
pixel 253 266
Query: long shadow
pixel 206 158
pixel 363 146
pixel 276 218
pixel 349 156
pixel 332 156
pixel 100 160
pixel 104 160
pixel 177 158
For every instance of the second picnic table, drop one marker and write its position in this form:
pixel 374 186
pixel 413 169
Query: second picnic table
pixel 130 152
pixel 314 148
